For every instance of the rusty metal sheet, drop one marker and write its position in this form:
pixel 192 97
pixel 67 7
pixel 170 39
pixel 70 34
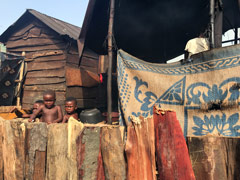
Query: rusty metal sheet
pixel 81 77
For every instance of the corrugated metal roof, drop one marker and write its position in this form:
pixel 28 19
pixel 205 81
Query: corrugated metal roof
pixel 61 27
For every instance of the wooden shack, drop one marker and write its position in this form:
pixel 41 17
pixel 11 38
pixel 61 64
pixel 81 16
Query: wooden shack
pixel 51 52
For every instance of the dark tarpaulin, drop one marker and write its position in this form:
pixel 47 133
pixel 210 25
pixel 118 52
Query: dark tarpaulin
pixel 9 70
pixel 153 30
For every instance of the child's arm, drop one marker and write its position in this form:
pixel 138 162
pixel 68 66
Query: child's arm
pixel 34 115
pixel 60 115
pixel 64 119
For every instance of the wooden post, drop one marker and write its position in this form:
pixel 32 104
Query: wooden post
pixel 212 18
pixel 20 81
pixel 236 36
pixel 110 59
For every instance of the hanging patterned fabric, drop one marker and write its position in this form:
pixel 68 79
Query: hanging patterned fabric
pixel 9 71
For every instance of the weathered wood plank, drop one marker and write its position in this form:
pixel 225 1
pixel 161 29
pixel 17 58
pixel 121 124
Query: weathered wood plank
pixel 1 150
pixel 44 80
pixel 30 42
pixel 13 149
pixel 140 149
pixel 82 92
pixel 46 73
pixel 31 96
pixel 57 149
pixel 89 155
pixel 54 87
pixel 47 58
pixel 30 55
pixel 22 31
pixel 172 154
pixel 33 66
pixel 113 153
pixel 36 140
pixel 86 103
pixel 215 157
pixel 59 46
pixel 89 62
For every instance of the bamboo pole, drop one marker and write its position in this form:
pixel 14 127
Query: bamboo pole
pixel 110 59
pixel 20 81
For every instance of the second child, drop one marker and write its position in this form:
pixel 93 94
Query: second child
pixel 70 108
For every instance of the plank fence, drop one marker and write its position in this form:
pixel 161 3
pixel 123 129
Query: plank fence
pixel 154 148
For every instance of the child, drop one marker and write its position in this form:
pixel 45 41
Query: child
pixel 70 108
pixel 50 112
pixel 36 105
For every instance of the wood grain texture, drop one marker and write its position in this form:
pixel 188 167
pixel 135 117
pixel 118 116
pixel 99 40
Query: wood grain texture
pixel 36 141
pixel 215 157
pixel 89 158
pixel 54 87
pixel 172 154
pixel 113 154
pixel 82 92
pixel 44 80
pixel 45 65
pixel 140 149
pixel 13 149
pixel 46 73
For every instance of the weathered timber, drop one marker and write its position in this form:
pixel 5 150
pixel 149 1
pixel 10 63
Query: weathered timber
pixel 81 77
pixel 47 58
pixel 215 157
pixel 45 65
pixel 89 156
pixel 47 73
pixel 30 42
pixel 82 92
pixel 89 62
pixel 140 149
pixel 74 130
pixel 23 31
pixel 1 150
pixel 113 153
pixel 173 160
pixel 86 103
pixel 44 53
pixel 37 48
pixel 57 161
pixel 44 80
pixel 54 87
pixel 13 147
pixel 36 147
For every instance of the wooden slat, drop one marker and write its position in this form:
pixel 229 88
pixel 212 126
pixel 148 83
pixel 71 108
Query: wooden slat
pixel 140 149
pixel 173 160
pixel 82 92
pixel 54 87
pixel 113 153
pixel 86 103
pixel 36 141
pixel 48 58
pixel 32 42
pixel 73 59
pixel 22 31
pixel 46 73
pixel 32 96
pixel 32 66
pixel 90 165
pixel 89 62
pixel 30 55
pixel 44 80
pixel 37 48
pixel 57 160
pixel 13 149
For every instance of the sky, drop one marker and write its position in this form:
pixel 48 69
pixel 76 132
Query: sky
pixel 71 11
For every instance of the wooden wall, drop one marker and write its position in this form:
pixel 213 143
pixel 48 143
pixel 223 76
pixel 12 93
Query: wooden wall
pixel 47 55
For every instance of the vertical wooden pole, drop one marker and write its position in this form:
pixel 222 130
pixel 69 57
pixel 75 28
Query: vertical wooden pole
pixel 212 17
pixel 236 36
pixel 110 58
pixel 20 81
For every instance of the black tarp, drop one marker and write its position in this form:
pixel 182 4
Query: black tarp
pixel 154 30
pixel 9 71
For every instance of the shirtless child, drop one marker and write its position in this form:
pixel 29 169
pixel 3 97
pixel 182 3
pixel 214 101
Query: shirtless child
pixel 50 112
pixel 70 108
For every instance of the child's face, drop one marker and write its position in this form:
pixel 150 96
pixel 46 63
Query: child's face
pixel 70 107
pixel 49 101
pixel 35 106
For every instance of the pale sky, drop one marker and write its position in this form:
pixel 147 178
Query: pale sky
pixel 71 11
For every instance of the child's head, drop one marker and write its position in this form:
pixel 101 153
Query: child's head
pixel 37 104
pixel 49 98
pixel 70 105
